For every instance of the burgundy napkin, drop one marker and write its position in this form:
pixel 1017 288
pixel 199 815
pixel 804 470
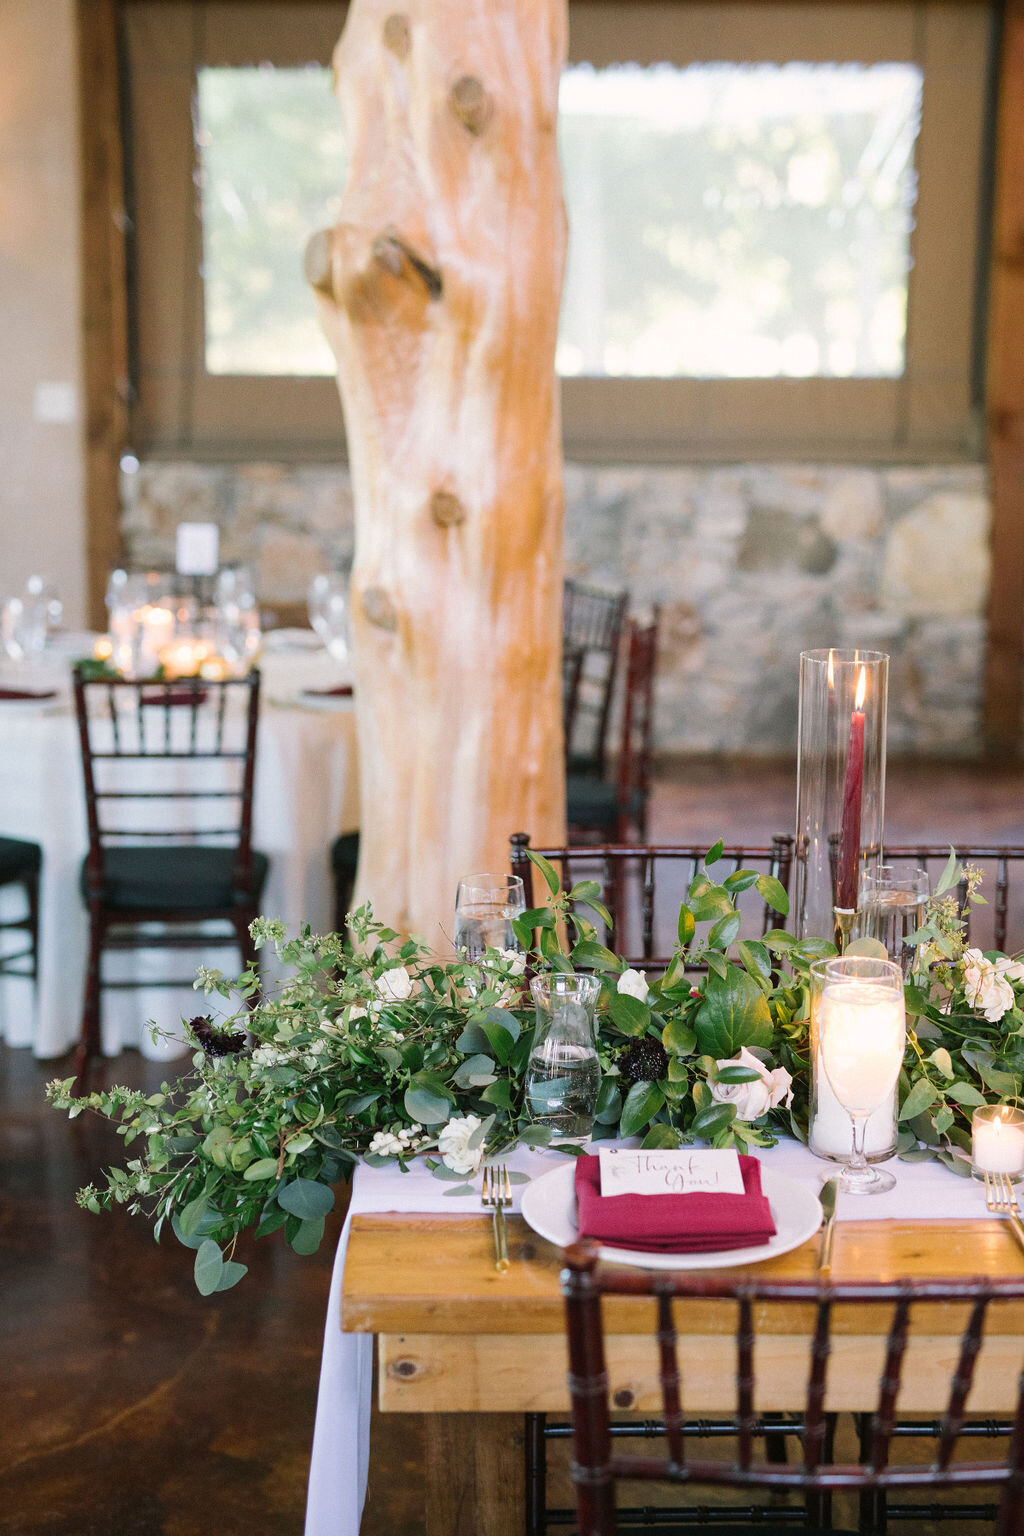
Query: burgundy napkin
pixel 24 695
pixel 342 691
pixel 695 1223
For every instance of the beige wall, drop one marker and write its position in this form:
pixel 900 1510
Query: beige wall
pixel 41 462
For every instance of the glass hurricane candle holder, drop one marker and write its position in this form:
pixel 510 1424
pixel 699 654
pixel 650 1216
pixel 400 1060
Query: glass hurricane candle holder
pixel 997 1141
pixel 861 1040
pixel 840 795
pixel 563 1073
pixel 828 1129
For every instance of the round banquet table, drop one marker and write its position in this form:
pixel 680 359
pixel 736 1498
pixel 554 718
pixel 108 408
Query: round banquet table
pixel 306 792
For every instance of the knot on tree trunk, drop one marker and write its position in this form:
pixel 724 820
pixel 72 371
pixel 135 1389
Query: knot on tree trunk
pixel 446 509
pixel 317 263
pixel 471 104
pixel 398 35
pixel 398 257
pixel 379 609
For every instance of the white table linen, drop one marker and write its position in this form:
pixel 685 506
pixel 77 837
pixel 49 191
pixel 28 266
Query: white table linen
pixel 306 792
pixel 341 1449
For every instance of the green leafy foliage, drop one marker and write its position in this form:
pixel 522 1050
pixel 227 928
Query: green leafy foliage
pixel 375 1049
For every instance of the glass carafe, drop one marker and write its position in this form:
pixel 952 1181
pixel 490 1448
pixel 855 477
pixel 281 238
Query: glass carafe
pixel 563 1074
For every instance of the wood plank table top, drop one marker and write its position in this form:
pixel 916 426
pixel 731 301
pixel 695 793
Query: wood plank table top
pixel 433 1273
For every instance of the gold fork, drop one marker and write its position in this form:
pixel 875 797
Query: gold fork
pixel 496 1194
pixel 1001 1197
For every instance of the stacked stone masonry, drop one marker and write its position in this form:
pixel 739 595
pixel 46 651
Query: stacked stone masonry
pixel 750 564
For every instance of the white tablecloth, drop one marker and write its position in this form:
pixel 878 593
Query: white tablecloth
pixel 341 1442
pixel 306 792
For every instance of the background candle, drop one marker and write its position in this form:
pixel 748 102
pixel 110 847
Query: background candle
pixel 853 794
pixel 997 1139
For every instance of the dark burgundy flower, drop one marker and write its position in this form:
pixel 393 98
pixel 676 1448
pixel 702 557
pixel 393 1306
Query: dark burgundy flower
pixel 216 1042
pixel 644 1061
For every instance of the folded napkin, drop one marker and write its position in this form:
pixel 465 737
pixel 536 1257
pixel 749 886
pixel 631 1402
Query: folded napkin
pixel 26 695
pixel 694 1223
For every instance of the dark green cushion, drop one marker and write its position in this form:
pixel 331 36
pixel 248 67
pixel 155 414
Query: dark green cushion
pixel 185 878
pixel 18 859
pixel 595 802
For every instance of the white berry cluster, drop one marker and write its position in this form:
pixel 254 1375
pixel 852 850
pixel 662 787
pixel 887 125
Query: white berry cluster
pixel 269 1056
pixel 392 1143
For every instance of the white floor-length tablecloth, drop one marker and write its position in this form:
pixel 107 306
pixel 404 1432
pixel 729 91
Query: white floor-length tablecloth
pixel 341 1441
pixel 306 792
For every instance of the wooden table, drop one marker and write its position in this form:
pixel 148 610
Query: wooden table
pixel 455 1337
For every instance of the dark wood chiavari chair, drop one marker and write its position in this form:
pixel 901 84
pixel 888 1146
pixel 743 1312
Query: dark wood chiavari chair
pixel 592 621
pixel 168 772
pixel 596 1469
pixel 611 808
pixel 643 886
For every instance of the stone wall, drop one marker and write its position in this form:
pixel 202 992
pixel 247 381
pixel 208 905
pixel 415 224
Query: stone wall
pixel 750 564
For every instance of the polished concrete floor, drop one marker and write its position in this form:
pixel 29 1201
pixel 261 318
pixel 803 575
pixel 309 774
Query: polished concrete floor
pixel 131 1406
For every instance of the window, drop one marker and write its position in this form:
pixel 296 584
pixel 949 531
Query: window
pixel 738 220
pixel 773 215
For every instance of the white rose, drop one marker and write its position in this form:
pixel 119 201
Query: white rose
pixel 985 987
pixel 515 963
pixel 1013 970
pixel 394 986
pixel 756 1098
pixel 634 984
pixel 453 1144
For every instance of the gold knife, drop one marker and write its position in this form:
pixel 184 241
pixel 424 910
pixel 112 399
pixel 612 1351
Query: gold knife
pixel 827 1196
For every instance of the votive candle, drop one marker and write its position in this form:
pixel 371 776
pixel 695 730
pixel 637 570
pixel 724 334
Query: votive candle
pixel 997 1139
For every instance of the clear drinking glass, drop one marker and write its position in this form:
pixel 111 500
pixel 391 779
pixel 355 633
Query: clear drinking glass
pixel 485 908
pixel 862 1035
pixel 563 1074
pixel 893 898
pixel 327 606
pixel 236 618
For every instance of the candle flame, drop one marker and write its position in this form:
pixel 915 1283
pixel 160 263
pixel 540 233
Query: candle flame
pixel 831 672
pixel 862 688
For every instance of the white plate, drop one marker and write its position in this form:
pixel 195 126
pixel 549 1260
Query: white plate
pixel 549 1207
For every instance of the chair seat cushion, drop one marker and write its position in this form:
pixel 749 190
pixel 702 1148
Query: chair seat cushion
pixel 595 802
pixel 18 859
pixel 183 878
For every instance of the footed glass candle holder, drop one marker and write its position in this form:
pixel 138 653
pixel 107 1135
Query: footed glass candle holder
pixel 828 1128
pixel 840 796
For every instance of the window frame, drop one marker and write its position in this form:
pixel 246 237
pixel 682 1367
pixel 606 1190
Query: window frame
pixel 932 411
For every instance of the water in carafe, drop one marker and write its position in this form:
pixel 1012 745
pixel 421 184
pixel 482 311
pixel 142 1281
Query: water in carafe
pixel 563 1074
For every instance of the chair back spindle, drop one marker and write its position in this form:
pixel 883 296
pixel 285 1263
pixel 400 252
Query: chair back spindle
pixel 596 1469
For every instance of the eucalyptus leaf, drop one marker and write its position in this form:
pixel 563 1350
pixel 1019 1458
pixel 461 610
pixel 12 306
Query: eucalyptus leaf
pixel 305 1198
pixel 426 1108
pixel 309 1236
pixel 266 1168
pixel 481 1133
pixel 208 1267
pixel 921 1097
pixel 463 1189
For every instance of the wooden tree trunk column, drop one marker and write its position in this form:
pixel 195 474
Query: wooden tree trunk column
pixel 439 291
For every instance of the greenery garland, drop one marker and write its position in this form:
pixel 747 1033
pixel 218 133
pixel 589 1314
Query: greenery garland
pixel 375 1049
